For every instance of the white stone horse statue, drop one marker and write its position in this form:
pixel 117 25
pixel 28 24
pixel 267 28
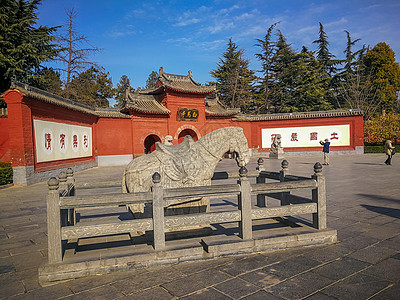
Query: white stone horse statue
pixel 185 165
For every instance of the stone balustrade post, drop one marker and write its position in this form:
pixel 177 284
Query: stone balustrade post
pixel 319 197
pixel 260 164
pixel 282 173
pixel 244 203
pixel 63 188
pixel 158 213
pixel 71 186
pixel 53 222
pixel 71 181
pixel 261 199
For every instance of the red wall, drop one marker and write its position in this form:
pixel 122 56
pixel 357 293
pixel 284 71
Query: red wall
pixel 21 113
pixel 113 136
pixel 5 154
pixel 125 136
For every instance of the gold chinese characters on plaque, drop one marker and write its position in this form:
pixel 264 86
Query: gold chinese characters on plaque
pixel 187 114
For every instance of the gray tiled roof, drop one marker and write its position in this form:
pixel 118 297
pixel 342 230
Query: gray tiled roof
pixel 301 115
pixel 145 104
pixel 181 83
pixel 214 108
pixel 38 94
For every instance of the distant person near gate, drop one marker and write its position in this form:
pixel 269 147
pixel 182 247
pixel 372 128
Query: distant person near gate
pixel 325 150
pixel 389 150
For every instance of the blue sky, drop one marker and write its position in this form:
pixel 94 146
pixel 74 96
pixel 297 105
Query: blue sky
pixel 138 37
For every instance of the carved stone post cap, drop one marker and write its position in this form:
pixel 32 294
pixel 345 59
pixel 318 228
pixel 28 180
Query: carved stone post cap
pixel 70 172
pixel 63 176
pixel 156 177
pixel 317 168
pixel 53 183
pixel 285 164
pixel 243 172
pixel 260 161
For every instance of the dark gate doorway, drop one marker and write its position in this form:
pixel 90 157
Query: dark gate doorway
pixel 186 132
pixel 150 143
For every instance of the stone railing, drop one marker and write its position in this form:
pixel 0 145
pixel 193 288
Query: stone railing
pixel 61 203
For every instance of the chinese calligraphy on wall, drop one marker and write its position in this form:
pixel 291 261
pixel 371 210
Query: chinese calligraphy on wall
pixel 339 135
pixel 55 141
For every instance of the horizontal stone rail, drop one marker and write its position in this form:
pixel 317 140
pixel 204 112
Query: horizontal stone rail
pixel 160 198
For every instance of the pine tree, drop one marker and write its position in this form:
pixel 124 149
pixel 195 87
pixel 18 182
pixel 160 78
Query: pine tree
pixel 234 78
pixel 23 48
pixel 324 56
pixel 122 86
pixel 92 87
pixel 264 85
pixel 152 80
pixel 47 79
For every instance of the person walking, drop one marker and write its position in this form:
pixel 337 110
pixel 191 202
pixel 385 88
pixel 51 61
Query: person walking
pixel 325 150
pixel 389 150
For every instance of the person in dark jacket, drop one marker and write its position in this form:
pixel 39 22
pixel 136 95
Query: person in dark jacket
pixel 325 150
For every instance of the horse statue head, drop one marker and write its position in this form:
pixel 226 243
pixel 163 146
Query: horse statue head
pixel 227 139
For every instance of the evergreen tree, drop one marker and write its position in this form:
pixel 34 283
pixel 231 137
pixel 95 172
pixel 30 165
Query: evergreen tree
pixel 92 87
pixel 47 79
pixel 152 80
pixel 122 86
pixel 324 56
pixel 283 59
pixel 264 87
pixel 234 79
pixel 380 63
pixel 23 48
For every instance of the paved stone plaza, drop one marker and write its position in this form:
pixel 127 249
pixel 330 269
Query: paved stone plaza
pixel 363 204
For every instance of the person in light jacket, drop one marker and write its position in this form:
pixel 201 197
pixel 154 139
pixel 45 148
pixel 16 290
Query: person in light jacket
pixel 325 150
pixel 389 152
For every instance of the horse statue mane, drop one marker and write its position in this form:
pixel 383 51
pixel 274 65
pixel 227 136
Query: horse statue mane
pixel 191 163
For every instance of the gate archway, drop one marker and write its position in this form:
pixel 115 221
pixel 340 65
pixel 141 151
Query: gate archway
pixel 150 143
pixel 186 132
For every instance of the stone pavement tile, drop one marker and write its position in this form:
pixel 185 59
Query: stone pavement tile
pixel 261 278
pixel 291 267
pixel 209 293
pixel 358 242
pixel 189 284
pixel 392 243
pixel 4 253
pixel 300 286
pixel 155 293
pixel 11 244
pixel 31 261
pixel 320 296
pixel 236 288
pixel 261 295
pixel 329 252
pixel 390 293
pixel 359 286
pixel 246 264
pixel 11 288
pixel 380 220
pixel 50 292
pixel 191 267
pixel 373 254
pixel 142 281
pixel 387 269
pixel 383 232
pixel 86 283
pixel 102 292
pixel 341 268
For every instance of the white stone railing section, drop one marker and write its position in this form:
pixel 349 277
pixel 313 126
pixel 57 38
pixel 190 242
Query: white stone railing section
pixel 61 197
